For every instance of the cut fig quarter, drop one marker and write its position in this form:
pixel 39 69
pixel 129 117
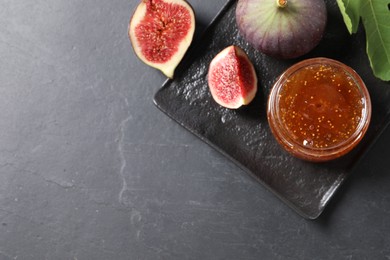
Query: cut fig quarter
pixel 282 28
pixel 161 32
pixel 232 79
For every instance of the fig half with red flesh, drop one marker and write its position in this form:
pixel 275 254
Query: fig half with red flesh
pixel 161 31
pixel 232 78
pixel 282 28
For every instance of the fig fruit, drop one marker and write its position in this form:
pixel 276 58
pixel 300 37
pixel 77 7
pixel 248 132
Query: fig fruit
pixel 161 31
pixel 232 78
pixel 282 28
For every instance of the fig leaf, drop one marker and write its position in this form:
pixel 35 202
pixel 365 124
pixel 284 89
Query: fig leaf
pixel 375 16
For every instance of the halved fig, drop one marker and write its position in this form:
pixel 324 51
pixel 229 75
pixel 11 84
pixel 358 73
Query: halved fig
pixel 161 31
pixel 232 78
pixel 282 28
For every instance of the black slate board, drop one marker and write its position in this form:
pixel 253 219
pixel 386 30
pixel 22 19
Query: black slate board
pixel 244 136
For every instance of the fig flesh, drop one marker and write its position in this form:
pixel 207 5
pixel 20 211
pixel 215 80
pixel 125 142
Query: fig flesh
pixel 161 31
pixel 232 78
pixel 282 28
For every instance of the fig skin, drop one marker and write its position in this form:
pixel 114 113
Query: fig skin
pixel 232 79
pixel 161 31
pixel 283 29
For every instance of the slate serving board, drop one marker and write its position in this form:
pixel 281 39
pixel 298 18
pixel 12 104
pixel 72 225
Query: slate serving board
pixel 244 135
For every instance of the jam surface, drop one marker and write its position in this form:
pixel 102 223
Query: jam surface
pixel 320 106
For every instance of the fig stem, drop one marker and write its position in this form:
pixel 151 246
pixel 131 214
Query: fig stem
pixel 282 3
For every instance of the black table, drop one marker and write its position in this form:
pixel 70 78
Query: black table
pixel 91 169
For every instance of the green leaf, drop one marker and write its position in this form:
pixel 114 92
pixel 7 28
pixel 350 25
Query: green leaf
pixel 350 11
pixel 375 16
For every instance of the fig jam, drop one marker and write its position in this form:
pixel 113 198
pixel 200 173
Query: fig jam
pixel 319 109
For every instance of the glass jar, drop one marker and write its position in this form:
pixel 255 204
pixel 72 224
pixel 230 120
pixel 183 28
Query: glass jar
pixel 319 109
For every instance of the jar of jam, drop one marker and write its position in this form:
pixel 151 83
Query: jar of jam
pixel 319 109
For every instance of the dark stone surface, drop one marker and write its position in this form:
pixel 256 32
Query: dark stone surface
pixel 91 169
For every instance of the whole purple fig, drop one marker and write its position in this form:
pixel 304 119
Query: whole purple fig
pixel 282 28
